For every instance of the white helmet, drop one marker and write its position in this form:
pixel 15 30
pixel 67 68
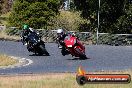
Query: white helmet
pixel 60 31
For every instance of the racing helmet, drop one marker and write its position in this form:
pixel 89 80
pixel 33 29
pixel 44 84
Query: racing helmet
pixel 25 27
pixel 60 31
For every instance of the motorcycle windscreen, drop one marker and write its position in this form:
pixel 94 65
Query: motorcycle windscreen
pixel 33 38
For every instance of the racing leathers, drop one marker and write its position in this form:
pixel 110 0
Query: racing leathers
pixel 25 34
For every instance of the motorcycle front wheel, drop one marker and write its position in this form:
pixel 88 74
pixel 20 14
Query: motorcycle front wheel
pixel 81 54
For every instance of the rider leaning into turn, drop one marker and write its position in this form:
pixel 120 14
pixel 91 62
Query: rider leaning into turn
pixel 26 31
pixel 61 34
pixel 60 39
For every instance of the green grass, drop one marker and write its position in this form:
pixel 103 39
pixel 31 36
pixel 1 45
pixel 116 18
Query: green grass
pixel 56 80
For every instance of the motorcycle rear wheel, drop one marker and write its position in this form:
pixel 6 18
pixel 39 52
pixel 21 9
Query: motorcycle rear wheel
pixel 83 57
pixel 43 50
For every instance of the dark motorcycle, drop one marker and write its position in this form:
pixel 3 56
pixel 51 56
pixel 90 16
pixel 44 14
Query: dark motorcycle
pixel 36 45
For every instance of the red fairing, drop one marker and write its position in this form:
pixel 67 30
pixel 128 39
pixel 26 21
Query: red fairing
pixel 75 47
pixel 69 40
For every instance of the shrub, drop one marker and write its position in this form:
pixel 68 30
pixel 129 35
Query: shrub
pixel 67 20
pixel 36 13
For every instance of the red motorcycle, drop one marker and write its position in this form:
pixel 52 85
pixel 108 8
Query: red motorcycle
pixel 75 47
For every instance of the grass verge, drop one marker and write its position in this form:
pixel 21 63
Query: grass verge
pixel 56 80
pixel 4 36
pixel 6 60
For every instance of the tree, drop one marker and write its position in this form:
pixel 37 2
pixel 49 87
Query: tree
pixel 1 5
pixel 0 8
pixel 124 22
pixel 6 5
pixel 112 14
pixel 36 13
pixel 110 11
pixel 88 10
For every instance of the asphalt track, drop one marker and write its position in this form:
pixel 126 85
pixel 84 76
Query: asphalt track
pixel 102 57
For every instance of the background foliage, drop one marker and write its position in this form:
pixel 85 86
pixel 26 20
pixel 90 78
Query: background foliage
pixel 115 15
pixel 67 20
pixel 36 13
pixel 115 18
pixel 1 2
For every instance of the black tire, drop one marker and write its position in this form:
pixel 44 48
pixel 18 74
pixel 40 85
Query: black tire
pixel 83 57
pixel 43 50
pixel 81 80
pixel 64 51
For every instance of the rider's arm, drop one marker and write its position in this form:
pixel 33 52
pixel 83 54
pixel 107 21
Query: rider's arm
pixel 31 30
pixel 23 34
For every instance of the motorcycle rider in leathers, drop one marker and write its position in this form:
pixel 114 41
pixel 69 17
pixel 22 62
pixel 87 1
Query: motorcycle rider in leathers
pixel 60 40
pixel 25 32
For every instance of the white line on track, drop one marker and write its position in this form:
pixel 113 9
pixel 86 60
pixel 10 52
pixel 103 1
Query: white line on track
pixel 29 62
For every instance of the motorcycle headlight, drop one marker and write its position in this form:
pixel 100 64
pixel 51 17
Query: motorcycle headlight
pixel 69 46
